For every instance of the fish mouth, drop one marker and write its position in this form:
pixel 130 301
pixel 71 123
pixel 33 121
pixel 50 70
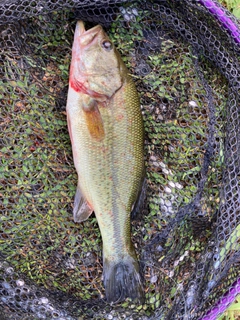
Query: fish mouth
pixel 87 37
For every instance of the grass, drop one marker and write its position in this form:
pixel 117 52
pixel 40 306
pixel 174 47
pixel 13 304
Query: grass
pixel 233 312
pixel 233 6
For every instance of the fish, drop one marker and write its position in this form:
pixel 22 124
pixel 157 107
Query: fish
pixel 106 129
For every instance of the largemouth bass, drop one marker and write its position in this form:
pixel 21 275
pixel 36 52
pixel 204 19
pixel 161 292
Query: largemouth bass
pixel 106 130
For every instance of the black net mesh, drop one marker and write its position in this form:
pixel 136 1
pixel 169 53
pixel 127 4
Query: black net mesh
pixel 185 64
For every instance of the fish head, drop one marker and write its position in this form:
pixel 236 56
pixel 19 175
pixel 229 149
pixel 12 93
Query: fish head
pixel 96 67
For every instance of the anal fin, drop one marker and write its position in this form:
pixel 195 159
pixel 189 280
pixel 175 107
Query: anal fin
pixel 81 209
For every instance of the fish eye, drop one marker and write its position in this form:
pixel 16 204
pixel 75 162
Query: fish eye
pixel 107 45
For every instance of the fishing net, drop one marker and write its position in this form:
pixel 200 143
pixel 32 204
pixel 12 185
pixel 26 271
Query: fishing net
pixel 184 59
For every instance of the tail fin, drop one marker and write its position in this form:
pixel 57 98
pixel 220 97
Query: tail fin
pixel 122 280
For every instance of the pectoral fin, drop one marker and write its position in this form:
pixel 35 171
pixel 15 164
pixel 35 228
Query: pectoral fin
pixel 93 118
pixel 81 209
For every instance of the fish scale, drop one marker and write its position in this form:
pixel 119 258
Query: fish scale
pixel 106 129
